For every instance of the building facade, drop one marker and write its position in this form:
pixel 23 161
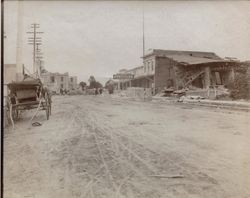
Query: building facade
pixel 73 82
pixel 180 69
pixel 57 81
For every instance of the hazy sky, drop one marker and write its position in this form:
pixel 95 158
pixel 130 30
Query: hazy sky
pixel 101 37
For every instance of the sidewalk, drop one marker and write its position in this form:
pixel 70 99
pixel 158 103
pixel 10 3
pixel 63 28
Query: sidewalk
pixel 234 105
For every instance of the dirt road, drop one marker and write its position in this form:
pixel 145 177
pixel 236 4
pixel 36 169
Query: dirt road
pixel 95 146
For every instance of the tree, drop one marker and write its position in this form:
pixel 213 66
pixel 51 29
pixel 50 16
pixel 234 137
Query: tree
pixel 93 83
pixel 98 84
pixel 83 85
pixel 91 79
pixel 110 85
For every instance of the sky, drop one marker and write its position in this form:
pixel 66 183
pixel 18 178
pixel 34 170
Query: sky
pixel 101 37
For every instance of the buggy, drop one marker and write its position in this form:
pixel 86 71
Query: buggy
pixel 25 95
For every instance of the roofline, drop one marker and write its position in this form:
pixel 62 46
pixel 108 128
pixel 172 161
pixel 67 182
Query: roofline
pixel 187 51
pixel 216 61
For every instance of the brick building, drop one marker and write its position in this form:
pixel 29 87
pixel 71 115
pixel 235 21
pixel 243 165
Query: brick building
pixel 181 69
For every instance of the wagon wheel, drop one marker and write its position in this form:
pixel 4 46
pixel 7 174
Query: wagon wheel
pixel 47 106
pixel 47 113
pixel 15 113
pixel 10 112
pixel 50 108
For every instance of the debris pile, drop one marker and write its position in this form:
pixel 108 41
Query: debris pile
pixel 216 92
pixel 183 98
pixel 75 92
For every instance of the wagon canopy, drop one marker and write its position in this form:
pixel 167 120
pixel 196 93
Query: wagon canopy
pixel 25 84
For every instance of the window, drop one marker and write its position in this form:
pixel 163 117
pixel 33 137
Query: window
pixel 62 79
pixel 152 65
pixel 62 86
pixel 71 79
pixel 52 79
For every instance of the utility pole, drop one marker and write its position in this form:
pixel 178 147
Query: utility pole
pixel 35 41
pixel 143 37
pixel 38 57
pixel 19 47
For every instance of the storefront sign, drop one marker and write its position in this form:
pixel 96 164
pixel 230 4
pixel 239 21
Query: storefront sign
pixel 123 76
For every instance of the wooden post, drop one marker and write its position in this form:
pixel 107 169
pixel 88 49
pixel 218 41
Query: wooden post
pixel 232 76
pixel 207 79
pixel 118 85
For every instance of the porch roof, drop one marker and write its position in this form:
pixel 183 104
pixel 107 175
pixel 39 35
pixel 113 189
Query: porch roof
pixel 192 60
pixel 189 57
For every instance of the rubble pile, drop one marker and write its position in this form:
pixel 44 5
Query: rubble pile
pixel 75 92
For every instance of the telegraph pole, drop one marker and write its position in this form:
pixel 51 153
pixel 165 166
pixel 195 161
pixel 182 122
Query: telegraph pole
pixel 35 41
pixel 38 57
pixel 19 47
pixel 143 37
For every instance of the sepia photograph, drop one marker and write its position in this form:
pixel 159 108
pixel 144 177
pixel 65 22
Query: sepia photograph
pixel 125 99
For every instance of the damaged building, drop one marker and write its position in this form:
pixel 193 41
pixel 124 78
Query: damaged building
pixel 182 69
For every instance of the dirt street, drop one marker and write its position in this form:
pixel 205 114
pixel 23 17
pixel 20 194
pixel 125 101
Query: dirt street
pixel 101 146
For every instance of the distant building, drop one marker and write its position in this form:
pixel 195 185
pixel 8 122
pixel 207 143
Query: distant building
pixel 180 69
pixel 57 81
pixel 73 83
